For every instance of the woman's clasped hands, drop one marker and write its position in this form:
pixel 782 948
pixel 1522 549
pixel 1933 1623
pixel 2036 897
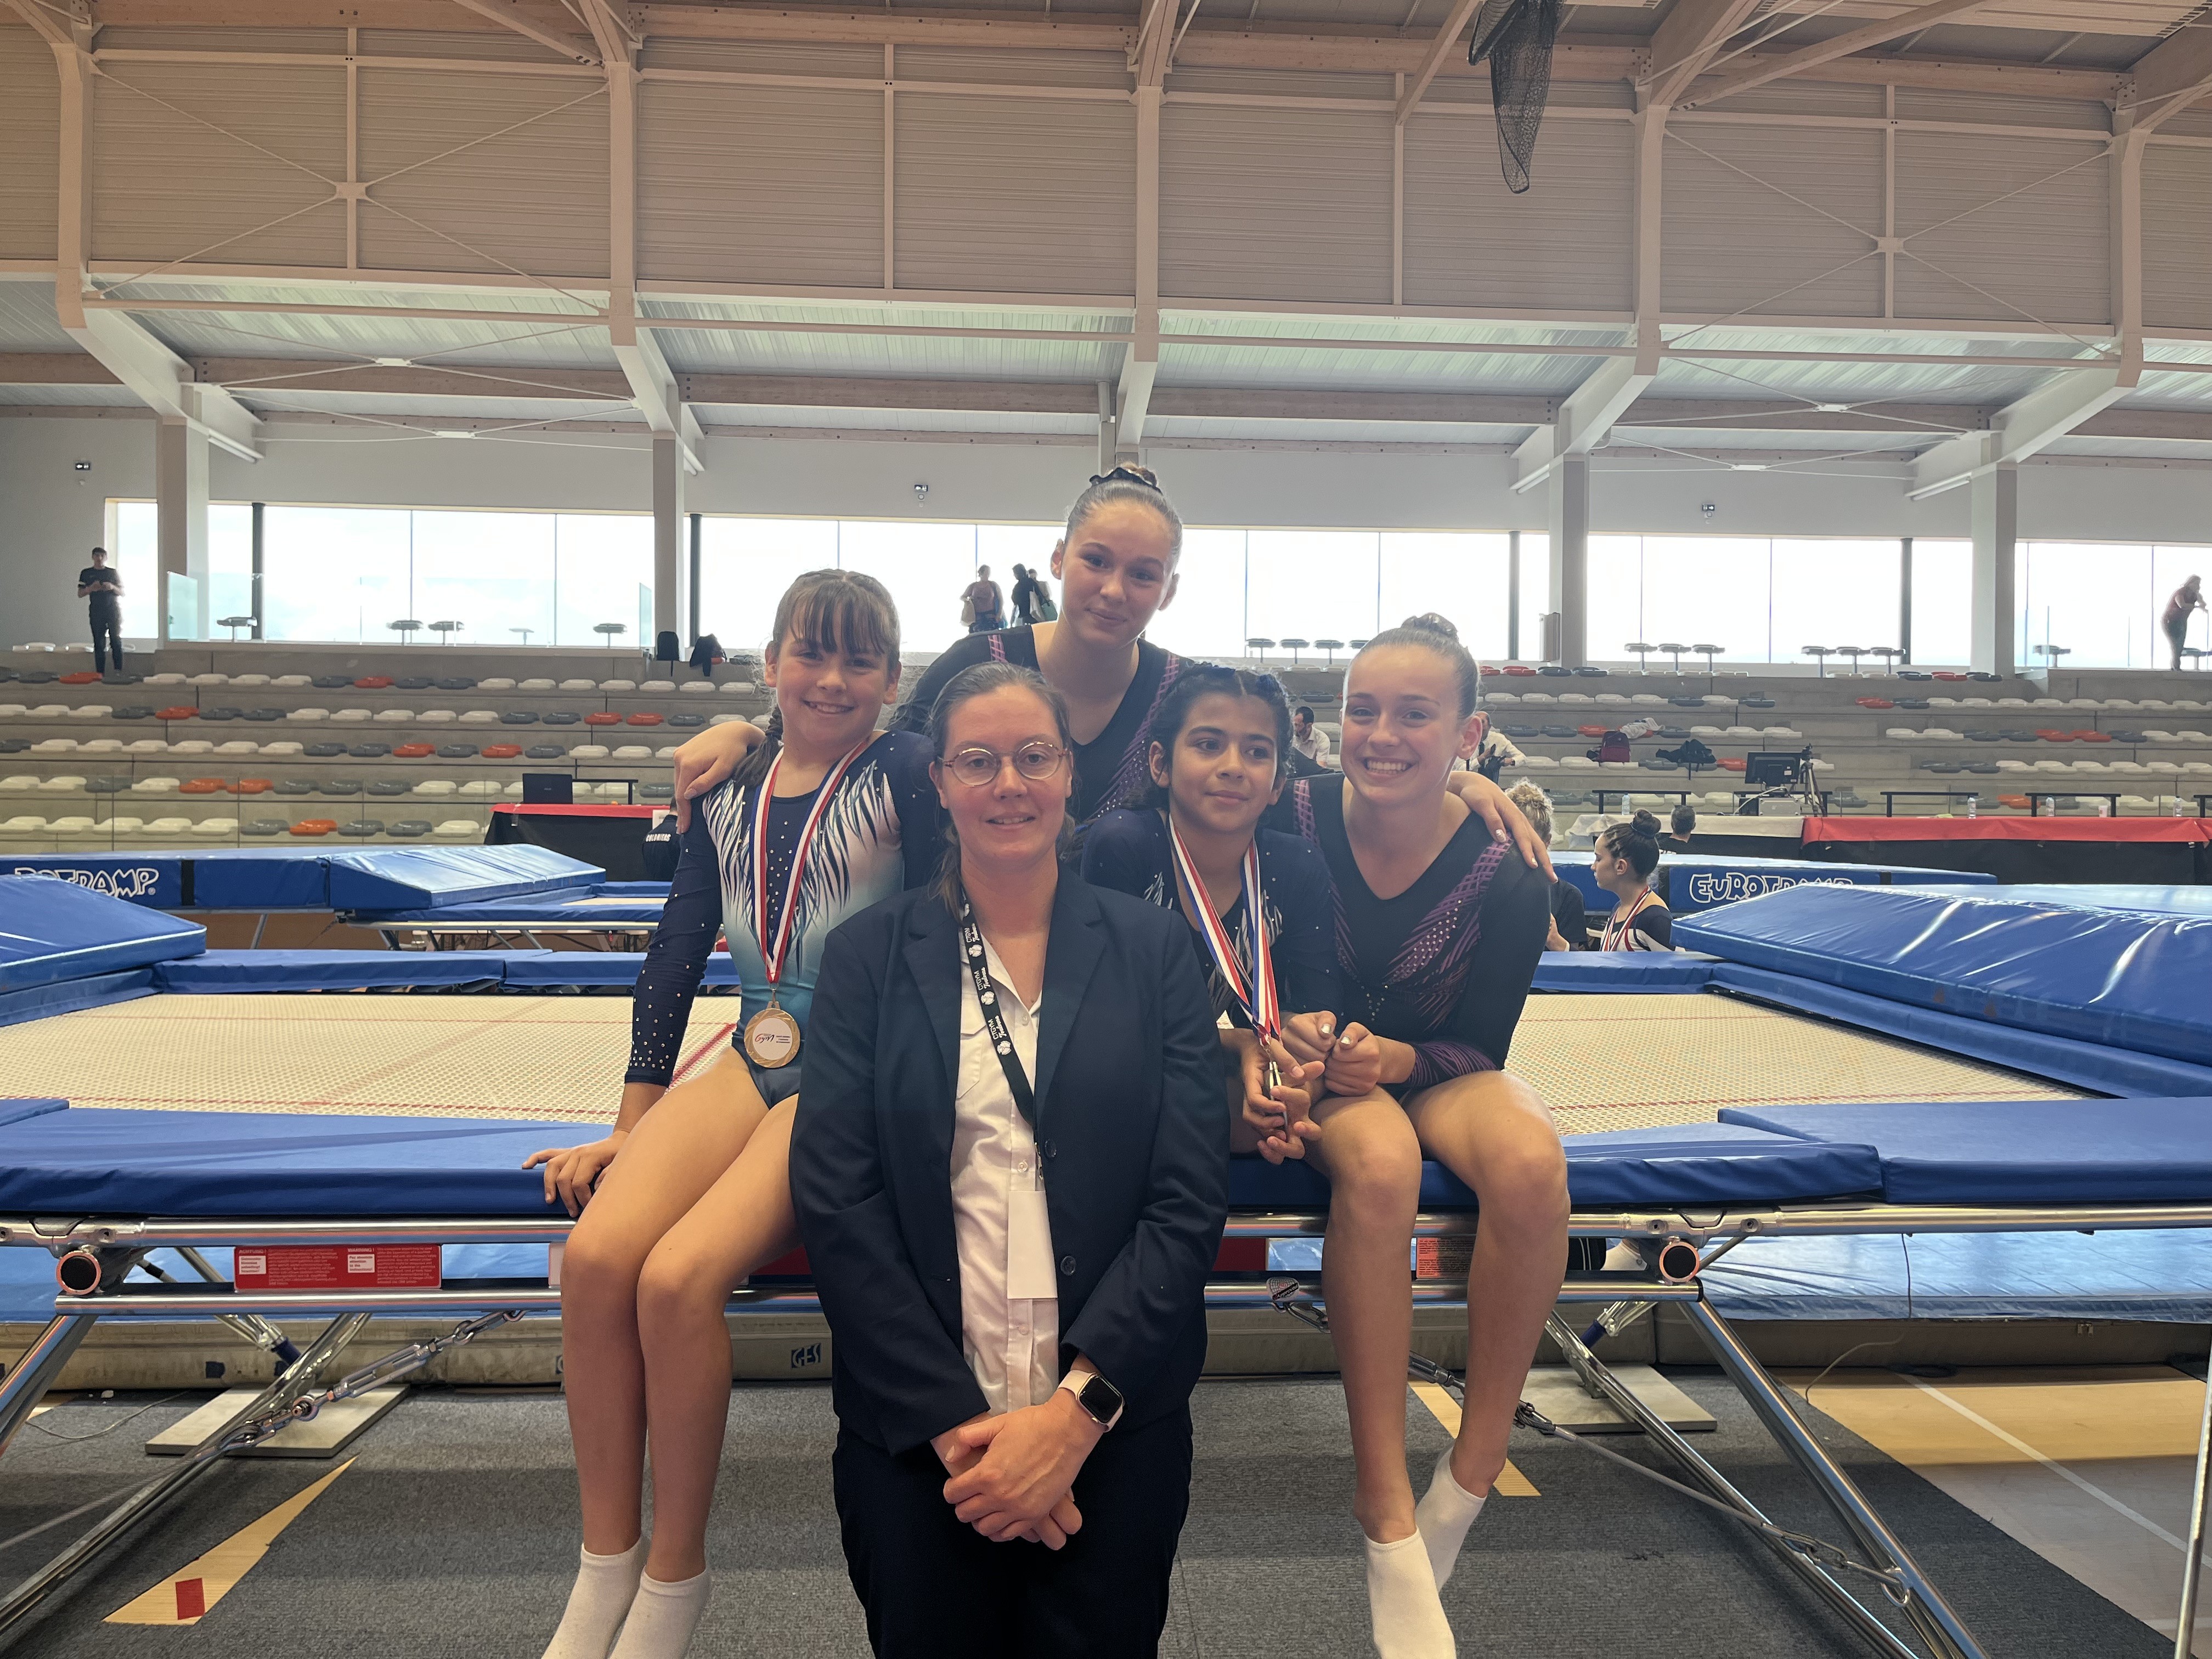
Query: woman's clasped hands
pixel 1012 1473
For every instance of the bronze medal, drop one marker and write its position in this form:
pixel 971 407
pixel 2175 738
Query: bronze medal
pixel 772 1038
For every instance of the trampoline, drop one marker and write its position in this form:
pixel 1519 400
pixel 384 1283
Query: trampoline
pixel 1710 1103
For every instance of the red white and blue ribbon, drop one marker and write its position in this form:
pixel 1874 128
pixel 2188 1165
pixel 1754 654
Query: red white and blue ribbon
pixel 773 951
pixel 1253 986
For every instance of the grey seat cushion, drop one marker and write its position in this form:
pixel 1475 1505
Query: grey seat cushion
pixel 323 750
pixel 545 752
pixel 457 685
pixel 264 827
pixel 457 750
pixel 369 750
pixel 265 713
pixel 389 786
pixel 294 787
pixel 336 786
pixel 412 683
pixel 687 720
pixel 362 827
pixel 411 827
pixel 518 717
pixel 222 713
pixel 563 717
pixel 331 681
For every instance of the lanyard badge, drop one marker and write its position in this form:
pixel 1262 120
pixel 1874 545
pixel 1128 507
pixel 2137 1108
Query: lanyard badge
pixel 1255 990
pixel 994 1025
pixel 772 1034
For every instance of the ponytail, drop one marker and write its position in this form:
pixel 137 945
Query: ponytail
pixel 1637 841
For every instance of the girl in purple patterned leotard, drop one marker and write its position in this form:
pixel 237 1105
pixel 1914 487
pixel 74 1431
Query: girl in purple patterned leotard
pixel 1438 928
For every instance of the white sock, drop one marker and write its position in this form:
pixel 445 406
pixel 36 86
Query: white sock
pixel 604 1585
pixel 662 1619
pixel 1401 1601
pixel 1444 1516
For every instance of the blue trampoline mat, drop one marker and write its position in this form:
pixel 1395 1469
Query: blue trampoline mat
pixel 52 931
pixel 2019 1151
pixel 603 905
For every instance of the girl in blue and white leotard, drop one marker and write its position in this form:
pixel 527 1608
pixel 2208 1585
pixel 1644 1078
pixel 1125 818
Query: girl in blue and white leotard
pixel 690 1191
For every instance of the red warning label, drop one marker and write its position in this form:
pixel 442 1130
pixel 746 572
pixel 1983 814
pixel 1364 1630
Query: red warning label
pixel 338 1267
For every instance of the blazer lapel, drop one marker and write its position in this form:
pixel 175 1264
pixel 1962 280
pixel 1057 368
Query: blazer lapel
pixel 1071 958
pixel 933 956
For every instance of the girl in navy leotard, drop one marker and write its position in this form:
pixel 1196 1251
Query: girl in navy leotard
pixel 1438 929
pixel 690 1191
pixel 1217 760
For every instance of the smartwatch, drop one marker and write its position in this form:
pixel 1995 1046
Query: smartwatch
pixel 1097 1397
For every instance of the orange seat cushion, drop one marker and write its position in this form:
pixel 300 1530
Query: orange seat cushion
pixel 182 711
pixel 82 676
pixel 200 787
pixel 1519 670
pixel 2051 734
pixel 412 751
pixel 314 827
pixel 2093 736
pixel 251 786
pixel 501 751
pixel 2019 802
pixel 374 681
pixel 1875 702
pixel 602 718
pixel 1732 765
pixel 1948 674
pixel 1593 730
pixel 643 720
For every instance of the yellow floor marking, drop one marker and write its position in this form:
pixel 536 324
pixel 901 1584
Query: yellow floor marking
pixel 2086 1466
pixel 187 1594
pixel 1510 1482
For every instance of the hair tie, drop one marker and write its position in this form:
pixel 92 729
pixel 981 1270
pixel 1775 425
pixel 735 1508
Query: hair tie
pixel 1130 474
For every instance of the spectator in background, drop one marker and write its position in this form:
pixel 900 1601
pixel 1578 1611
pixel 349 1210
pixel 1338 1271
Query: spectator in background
pixel 1307 738
pixel 981 605
pixel 1684 823
pixel 1495 752
pixel 100 585
pixel 2188 599
pixel 1625 856
pixel 1032 602
pixel 1569 918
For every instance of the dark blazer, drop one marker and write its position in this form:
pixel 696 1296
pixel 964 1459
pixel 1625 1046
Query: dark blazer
pixel 1132 1124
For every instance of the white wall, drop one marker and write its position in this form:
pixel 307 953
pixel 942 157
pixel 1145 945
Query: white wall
pixel 50 515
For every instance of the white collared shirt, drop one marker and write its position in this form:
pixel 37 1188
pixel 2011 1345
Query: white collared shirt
pixel 1313 745
pixel 1009 1296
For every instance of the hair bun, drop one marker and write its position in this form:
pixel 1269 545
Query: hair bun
pixel 1645 824
pixel 1428 622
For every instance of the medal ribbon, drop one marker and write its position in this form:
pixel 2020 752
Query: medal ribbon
pixel 773 951
pixel 1256 991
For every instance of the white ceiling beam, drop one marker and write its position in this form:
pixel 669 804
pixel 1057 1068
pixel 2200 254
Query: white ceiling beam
pixel 2168 78
pixel 508 16
pixel 2058 407
pixel 163 380
pixel 1694 33
pixel 1433 60
pixel 1758 71
pixel 1583 421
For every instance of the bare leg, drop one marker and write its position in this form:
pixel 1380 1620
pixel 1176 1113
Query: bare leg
pixel 692 1134
pixel 1373 1161
pixel 1491 1130
pixel 745 1220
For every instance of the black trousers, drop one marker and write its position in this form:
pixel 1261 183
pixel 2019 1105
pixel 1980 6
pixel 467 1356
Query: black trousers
pixel 106 636
pixel 936 1589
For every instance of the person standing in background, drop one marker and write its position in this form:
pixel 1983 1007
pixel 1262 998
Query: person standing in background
pixel 1684 823
pixel 2188 599
pixel 982 604
pixel 1027 593
pixel 103 587
pixel 1307 738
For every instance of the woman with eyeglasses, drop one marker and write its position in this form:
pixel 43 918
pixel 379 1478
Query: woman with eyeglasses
pixel 1115 564
pixel 688 1193
pixel 1010 1173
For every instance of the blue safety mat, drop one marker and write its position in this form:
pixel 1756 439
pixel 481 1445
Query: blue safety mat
pixel 554 971
pixel 1690 882
pixel 260 878
pixel 2089 1066
pixel 603 905
pixel 1647 972
pixel 15 1111
pixel 2123 980
pixel 54 931
pixel 432 877
pixel 1701 1164
pixel 68 996
pixel 2019 1151
pixel 232 972
pixel 2164 1275
pixel 270 1164
pixel 2188 902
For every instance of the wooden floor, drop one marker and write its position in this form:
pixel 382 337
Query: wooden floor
pixel 2090 1468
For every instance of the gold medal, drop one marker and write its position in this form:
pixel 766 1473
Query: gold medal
pixel 771 1038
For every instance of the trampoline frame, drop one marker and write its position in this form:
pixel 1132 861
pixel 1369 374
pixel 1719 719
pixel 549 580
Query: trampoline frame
pixel 121 1242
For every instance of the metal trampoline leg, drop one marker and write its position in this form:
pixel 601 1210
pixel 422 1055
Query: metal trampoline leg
pixel 1931 1615
pixel 41 1364
pixel 1596 1374
pixel 293 1382
pixel 2192 1569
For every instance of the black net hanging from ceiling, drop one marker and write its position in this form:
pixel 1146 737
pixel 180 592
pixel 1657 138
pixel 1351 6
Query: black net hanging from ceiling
pixel 1517 36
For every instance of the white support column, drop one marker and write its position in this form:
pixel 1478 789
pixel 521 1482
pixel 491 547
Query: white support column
pixel 671 530
pixel 1994 513
pixel 1570 485
pixel 1140 362
pixel 180 503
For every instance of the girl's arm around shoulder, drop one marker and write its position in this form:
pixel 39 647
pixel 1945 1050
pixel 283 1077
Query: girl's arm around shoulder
pixel 1121 851
pixel 905 758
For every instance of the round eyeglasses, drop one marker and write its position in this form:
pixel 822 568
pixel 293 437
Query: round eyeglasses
pixel 976 767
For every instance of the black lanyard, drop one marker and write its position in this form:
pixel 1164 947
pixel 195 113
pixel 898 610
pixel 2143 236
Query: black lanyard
pixel 1017 1080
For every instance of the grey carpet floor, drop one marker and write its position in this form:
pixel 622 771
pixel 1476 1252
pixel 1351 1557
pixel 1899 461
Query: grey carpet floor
pixel 454 1537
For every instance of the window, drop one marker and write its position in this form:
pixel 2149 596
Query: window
pixel 925 567
pixel 1712 590
pixel 601 573
pixel 1465 578
pixel 1535 592
pixel 745 565
pixel 135 551
pixel 493 573
pixel 334 573
pixel 1835 592
pixel 1206 617
pixel 2170 568
pixel 1942 603
pixel 1615 578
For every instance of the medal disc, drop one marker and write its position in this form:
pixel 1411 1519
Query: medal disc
pixel 771 1038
